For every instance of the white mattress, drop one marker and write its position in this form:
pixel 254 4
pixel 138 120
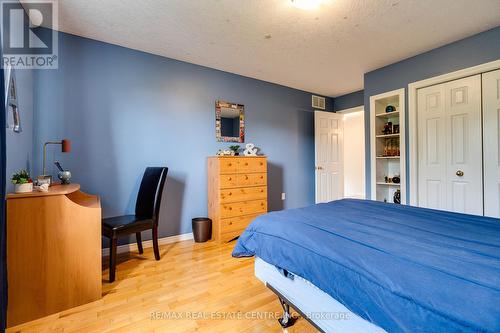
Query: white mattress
pixel 326 312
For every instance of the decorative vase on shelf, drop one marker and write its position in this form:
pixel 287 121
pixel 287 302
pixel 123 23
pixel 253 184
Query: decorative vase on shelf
pixel 23 188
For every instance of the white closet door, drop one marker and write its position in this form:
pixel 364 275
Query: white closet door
pixel 491 138
pixel 464 146
pixel 450 147
pixel 432 147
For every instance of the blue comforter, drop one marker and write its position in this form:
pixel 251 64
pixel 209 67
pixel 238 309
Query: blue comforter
pixel 403 268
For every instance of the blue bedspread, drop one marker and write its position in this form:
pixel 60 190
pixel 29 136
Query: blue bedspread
pixel 403 268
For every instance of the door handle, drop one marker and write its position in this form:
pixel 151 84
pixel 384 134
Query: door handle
pixel 460 173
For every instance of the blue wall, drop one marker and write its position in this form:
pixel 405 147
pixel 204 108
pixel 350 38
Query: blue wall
pixel 348 101
pixel 125 110
pixel 468 52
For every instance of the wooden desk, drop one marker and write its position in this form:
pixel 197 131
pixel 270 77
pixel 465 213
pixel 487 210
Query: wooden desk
pixel 53 252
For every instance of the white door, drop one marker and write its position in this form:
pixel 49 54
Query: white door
pixel 450 147
pixel 491 138
pixel 329 155
pixel 431 147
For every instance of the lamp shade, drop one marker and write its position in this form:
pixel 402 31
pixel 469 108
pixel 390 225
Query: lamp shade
pixel 66 146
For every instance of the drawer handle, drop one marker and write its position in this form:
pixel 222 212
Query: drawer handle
pixel 261 177
pixel 229 164
pixel 230 178
pixel 230 223
pixel 261 163
pixel 230 193
pixel 262 204
pixel 246 177
pixel 261 191
pixel 230 208
pixel 246 163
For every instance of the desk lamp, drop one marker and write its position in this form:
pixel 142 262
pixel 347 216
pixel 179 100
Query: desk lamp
pixel 65 148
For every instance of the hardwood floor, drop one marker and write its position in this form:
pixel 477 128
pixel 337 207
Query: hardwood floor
pixel 193 288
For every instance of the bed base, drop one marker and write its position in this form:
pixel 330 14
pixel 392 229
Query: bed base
pixel 288 320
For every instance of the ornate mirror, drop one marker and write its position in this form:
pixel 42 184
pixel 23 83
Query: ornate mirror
pixel 229 122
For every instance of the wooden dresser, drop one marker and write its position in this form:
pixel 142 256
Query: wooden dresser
pixel 237 193
pixel 53 252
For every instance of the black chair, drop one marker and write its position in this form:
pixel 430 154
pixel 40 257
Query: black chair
pixel 147 209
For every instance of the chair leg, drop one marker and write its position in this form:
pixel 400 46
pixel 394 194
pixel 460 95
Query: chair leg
pixel 155 243
pixel 139 242
pixel 112 259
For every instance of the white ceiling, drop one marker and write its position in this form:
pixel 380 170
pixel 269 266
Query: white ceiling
pixel 326 50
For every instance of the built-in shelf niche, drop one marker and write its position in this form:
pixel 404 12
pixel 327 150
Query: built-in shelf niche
pixel 387 148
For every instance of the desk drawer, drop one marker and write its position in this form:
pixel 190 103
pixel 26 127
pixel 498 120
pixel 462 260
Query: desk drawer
pixel 242 194
pixel 252 165
pixel 252 179
pixel 243 208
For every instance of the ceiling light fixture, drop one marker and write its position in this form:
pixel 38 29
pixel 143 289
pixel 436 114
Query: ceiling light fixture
pixel 307 4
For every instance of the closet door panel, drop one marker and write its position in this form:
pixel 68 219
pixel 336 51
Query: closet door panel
pixel 431 148
pixel 464 169
pixel 450 147
pixel 491 139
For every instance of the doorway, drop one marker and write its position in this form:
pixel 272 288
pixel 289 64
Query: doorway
pixel 340 154
pixel 354 152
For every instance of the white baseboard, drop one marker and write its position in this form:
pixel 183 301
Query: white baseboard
pixel 355 196
pixel 149 243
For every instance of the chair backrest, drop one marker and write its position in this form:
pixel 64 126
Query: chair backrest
pixel 149 197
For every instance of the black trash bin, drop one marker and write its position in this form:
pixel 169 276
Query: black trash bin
pixel 202 229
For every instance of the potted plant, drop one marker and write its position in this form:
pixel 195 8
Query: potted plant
pixel 22 182
pixel 235 149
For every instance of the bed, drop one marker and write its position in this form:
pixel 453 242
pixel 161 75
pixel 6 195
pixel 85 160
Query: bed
pixel 396 268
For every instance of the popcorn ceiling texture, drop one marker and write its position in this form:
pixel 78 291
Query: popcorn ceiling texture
pixel 325 51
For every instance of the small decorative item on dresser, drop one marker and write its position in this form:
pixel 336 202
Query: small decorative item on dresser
pixel 22 182
pixel 250 150
pixel 225 152
pixel 390 109
pixel 397 197
pixel 235 150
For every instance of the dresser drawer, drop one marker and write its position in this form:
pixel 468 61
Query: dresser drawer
pixel 243 208
pixel 230 235
pixel 252 165
pixel 251 179
pixel 228 165
pixel 230 180
pixel 236 223
pixel 242 194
